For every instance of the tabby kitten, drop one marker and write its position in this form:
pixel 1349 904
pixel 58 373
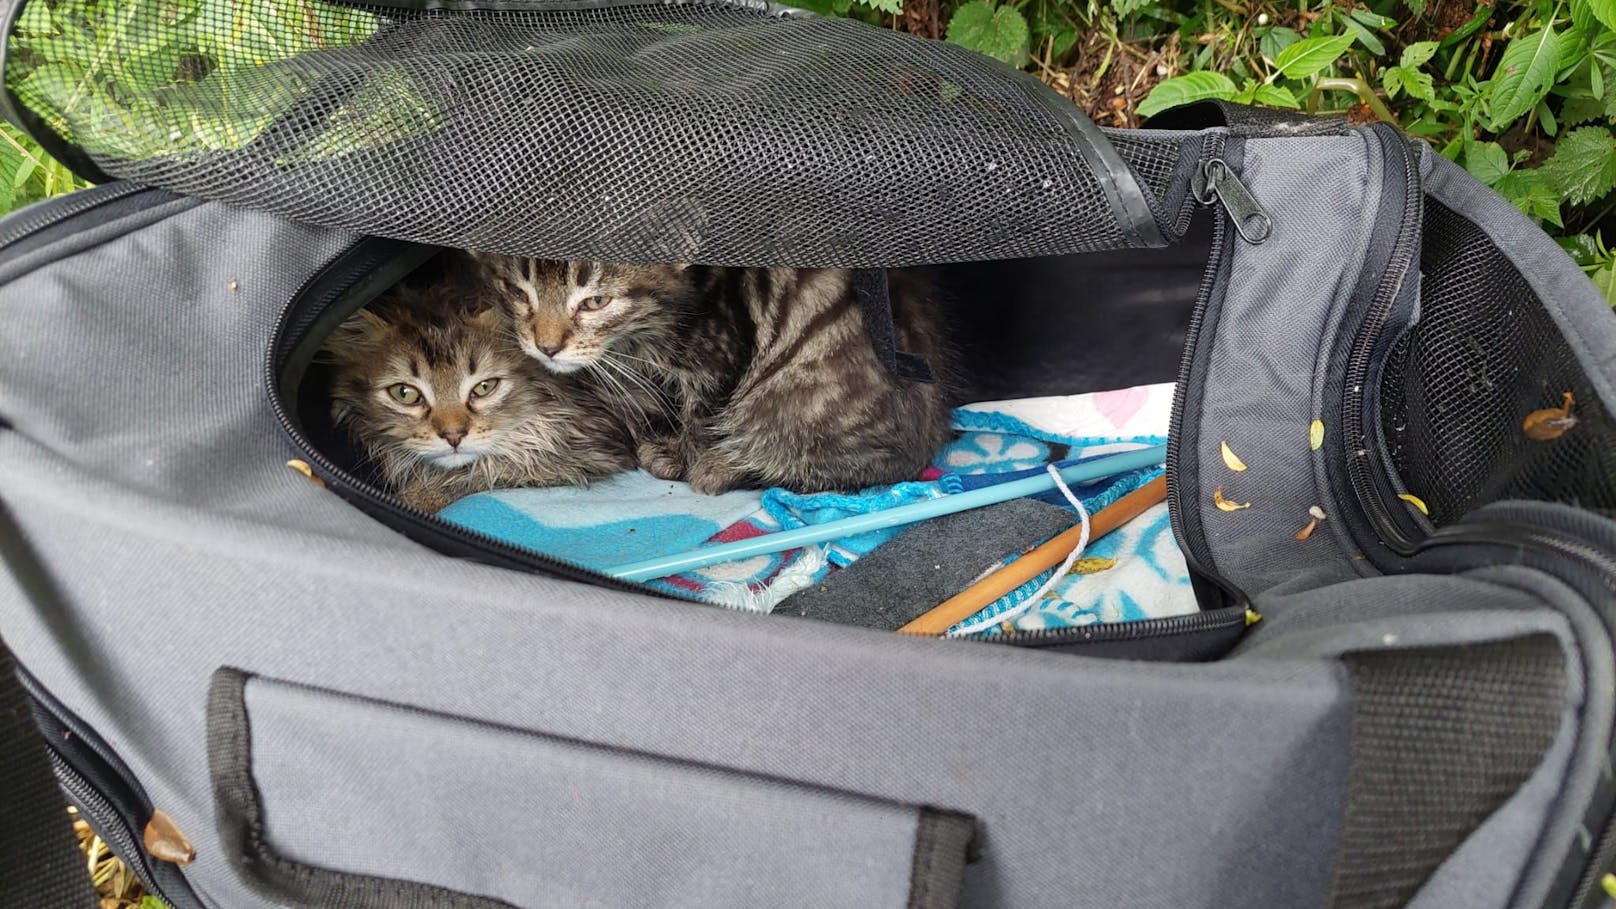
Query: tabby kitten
pixel 769 374
pixel 444 402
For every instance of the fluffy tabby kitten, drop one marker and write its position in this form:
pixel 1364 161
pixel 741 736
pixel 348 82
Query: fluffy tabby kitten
pixel 445 403
pixel 769 374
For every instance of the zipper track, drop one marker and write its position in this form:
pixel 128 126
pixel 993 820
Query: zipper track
pixel 1182 514
pixel 1367 486
pixel 57 210
pixel 1168 626
pixel 347 269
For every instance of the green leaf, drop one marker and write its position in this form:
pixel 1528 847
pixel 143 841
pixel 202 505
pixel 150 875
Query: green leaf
pixel 151 902
pixel 1000 32
pixel 892 7
pixel 1308 56
pixel 1276 96
pixel 1605 280
pixel 1524 76
pixel 1420 53
pixel 1582 248
pixel 1365 37
pixel 1126 8
pixel 1185 90
pixel 1529 192
pixel 1604 11
pixel 1415 83
pixel 1275 40
pixel 1373 20
pixel 1486 162
pixel 1583 166
pixel 1417 7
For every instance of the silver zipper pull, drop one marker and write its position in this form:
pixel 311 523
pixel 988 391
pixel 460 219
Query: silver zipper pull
pixel 1215 181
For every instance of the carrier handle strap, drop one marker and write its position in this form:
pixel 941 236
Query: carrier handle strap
pixel 875 298
pixel 40 862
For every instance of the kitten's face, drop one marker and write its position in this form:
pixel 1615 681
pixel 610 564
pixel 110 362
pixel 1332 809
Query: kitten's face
pixel 569 315
pixel 428 384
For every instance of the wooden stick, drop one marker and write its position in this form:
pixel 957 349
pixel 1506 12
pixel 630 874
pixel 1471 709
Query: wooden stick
pixel 974 598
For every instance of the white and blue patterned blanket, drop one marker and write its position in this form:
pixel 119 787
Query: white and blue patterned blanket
pixel 635 516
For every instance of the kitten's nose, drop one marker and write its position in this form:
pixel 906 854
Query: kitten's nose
pixel 453 436
pixel 551 350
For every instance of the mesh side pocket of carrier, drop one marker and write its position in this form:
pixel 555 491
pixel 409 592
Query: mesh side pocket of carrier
pixel 734 133
pixel 1443 736
pixel 1459 386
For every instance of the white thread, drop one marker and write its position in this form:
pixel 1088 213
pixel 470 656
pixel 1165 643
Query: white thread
pixel 1059 575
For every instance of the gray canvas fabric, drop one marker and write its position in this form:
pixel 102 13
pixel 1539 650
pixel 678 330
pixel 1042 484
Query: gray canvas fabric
pixel 1271 345
pixel 535 820
pixel 182 544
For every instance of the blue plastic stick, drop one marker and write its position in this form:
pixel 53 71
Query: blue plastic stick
pixel 1107 466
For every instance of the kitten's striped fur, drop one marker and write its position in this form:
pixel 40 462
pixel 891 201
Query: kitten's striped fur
pixel 531 429
pixel 768 374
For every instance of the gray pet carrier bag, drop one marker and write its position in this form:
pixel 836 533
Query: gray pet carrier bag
pixel 340 702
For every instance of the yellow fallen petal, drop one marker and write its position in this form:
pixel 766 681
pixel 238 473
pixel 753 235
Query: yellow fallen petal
pixel 1224 504
pixel 1230 459
pixel 1252 617
pixel 1307 531
pixel 1090 566
pixel 1315 435
pixel 1416 502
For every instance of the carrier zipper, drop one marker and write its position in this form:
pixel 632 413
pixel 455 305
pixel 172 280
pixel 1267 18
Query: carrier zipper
pixel 1110 632
pixel 103 790
pixel 1184 489
pixel 1369 486
pixel 1215 181
pixel 46 214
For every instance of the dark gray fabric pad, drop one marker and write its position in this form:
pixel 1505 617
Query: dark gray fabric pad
pixel 926 564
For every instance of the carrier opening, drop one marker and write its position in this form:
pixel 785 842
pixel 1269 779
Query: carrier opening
pixel 1053 360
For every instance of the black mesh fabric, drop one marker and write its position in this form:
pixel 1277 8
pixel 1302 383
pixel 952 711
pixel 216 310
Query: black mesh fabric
pixel 1458 388
pixel 728 133
pixel 1441 737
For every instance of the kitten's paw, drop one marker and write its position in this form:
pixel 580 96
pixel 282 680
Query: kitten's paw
pixel 711 474
pixel 661 458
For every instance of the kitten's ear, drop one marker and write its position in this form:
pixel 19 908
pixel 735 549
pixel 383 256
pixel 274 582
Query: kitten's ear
pixel 489 317
pixel 356 335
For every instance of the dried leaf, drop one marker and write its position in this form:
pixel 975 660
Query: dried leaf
pixel 1416 501
pixel 1307 531
pixel 1315 435
pixel 1224 504
pixel 1230 459
pixel 303 468
pixel 1551 422
pixel 165 842
pixel 1092 565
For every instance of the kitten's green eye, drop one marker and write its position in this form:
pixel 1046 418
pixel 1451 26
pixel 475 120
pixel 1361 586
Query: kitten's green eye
pixel 594 303
pixel 484 388
pixel 404 393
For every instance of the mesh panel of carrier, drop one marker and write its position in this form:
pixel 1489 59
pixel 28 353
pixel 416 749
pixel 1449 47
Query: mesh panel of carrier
pixel 729 133
pixel 1458 388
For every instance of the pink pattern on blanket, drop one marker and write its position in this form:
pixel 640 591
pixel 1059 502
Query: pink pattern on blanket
pixel 1120 405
